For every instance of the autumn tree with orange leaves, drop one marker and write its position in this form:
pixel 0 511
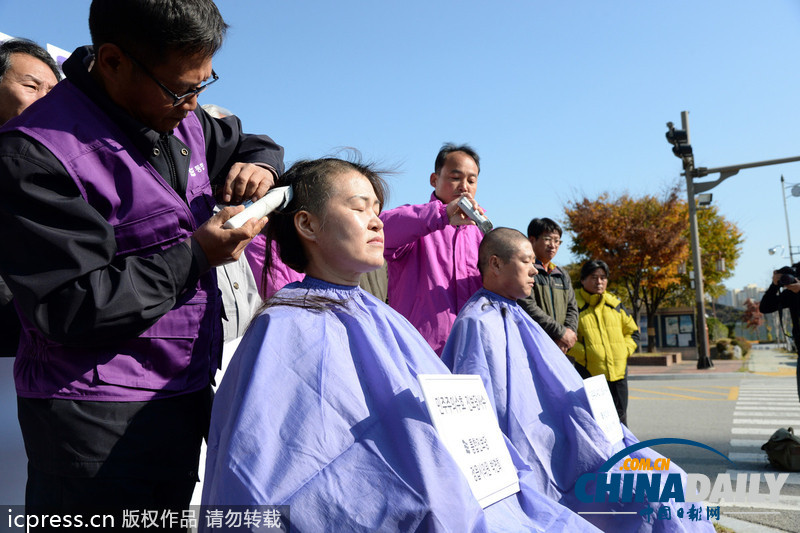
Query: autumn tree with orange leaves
pixel 645 241
pixel 753 319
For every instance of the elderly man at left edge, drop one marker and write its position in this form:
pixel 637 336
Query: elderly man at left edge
pixel 108 245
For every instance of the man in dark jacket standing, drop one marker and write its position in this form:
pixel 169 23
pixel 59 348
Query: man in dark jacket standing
pixel 108 245
pixel 552 300
pixel 776 299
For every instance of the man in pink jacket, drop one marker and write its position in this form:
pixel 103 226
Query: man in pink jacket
pixel 432 249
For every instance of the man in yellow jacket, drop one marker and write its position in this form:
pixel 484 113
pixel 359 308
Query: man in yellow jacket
pixel 607 334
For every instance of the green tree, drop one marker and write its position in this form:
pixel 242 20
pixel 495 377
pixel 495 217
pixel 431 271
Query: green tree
pixel 716 329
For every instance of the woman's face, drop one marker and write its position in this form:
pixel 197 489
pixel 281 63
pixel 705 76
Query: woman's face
pixel 596 282
pixel 349 234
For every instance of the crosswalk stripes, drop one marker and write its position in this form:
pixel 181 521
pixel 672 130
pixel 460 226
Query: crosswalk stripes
pixel 760 409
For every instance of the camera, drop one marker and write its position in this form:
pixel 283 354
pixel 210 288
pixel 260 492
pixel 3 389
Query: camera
pixel 788 276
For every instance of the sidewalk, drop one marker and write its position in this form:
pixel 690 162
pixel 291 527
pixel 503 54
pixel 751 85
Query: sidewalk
pixel 764 360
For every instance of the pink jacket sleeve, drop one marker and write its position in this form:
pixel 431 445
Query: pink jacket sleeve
pixel 279 274
pixel 404 225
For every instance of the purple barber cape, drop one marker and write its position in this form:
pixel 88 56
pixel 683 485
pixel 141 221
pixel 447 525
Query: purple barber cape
pixel 542 408
pixel 322 411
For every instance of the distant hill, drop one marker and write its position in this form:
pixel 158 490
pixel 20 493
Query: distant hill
pixel 726 313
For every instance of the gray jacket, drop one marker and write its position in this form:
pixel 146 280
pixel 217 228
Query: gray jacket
pixel 552 302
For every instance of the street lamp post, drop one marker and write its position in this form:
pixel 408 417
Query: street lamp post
pixel 795 192
pixel 682 148
pixel 779 248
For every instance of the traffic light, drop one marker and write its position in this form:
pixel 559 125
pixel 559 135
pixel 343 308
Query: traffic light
pixel 679 140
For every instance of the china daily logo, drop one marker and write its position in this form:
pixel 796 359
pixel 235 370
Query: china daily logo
pixel 627 483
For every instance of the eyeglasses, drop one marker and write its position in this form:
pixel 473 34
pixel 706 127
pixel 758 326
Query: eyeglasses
pixel 176 99
pixel 550 240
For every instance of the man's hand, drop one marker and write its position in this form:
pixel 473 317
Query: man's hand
pixel 246 181
pixel 794 287
pixel 456 216
pixel 567 340
pixel 222 245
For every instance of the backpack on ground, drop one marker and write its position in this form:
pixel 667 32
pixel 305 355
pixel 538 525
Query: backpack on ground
pixel 783 450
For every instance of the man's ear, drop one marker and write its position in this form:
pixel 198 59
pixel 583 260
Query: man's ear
pixel 434 178
pixel 495 263
pixel 307 226
pixel 110 59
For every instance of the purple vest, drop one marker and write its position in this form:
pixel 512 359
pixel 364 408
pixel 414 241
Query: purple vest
pixel 177 354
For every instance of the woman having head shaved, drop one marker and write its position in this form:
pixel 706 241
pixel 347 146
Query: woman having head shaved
pixel 320 408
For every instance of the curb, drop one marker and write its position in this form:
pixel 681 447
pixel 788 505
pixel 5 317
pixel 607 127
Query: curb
pixel 643 377
pixel 742 526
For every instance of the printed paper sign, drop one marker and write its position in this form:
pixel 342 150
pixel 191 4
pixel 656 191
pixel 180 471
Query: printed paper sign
pixel 603 408
pixel 466 423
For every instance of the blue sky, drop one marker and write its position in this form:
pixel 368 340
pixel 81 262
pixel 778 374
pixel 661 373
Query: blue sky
pixel 561 99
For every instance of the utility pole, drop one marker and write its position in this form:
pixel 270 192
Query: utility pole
pixel 682 148
pixel 786 214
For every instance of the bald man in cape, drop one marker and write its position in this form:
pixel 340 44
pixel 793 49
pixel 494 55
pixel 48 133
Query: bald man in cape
pixel 538 396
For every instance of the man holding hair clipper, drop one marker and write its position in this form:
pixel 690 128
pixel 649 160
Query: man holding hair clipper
pixel 106 185
pixel 432 248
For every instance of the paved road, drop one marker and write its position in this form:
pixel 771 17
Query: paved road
pixel 734 413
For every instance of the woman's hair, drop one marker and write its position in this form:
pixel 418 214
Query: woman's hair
pixel 590 266
pixel 312 183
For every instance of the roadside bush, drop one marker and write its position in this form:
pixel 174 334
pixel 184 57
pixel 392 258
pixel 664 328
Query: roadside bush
pixel 725 348
pixel 742 343
pixel 716 329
